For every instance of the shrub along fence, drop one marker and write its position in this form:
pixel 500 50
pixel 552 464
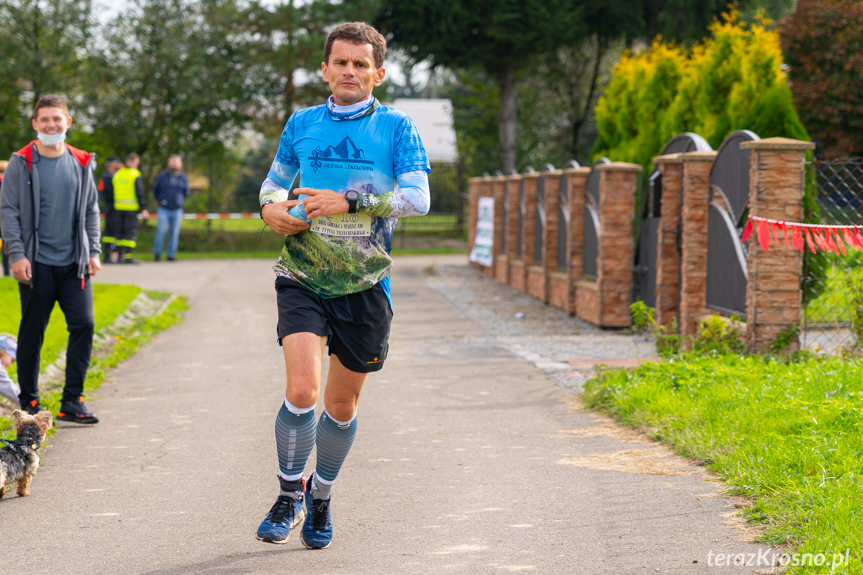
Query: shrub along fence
pixel 568 236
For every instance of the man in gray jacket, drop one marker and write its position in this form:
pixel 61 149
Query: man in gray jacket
pixel 49 215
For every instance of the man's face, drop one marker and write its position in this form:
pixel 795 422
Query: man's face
pixel 351 72
pixel 175 164
pixel 51 121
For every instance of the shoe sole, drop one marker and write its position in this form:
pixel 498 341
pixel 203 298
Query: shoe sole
pixel 297 520
pixel 307 546
pixel 73 419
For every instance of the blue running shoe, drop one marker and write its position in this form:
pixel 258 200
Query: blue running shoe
pixel 285 514
pixel 317 529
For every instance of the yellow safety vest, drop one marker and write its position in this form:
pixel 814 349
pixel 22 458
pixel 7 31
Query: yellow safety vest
pixel 125 198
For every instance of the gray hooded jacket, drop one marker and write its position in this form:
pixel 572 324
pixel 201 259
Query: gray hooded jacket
pixel 19 207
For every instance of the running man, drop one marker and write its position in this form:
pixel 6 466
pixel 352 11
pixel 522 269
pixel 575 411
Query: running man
pixel 361 165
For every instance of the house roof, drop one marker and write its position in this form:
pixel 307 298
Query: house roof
pixel 433 118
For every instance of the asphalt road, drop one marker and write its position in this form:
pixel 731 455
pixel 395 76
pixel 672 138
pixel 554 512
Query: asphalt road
pixel 469 459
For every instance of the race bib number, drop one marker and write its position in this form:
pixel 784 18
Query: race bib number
pixel 343 225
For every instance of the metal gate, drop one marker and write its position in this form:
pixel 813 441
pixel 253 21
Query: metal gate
pixel 519 219
pixel 540 218
pixel 590 247
pixel 563 223
pixel 729 209
pixel 646 253
pixel 504 220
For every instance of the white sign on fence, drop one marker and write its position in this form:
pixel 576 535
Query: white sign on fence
pixel 484 239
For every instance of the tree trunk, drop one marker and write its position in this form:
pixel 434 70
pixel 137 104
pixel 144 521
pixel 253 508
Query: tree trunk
pixel 507 119
pixel 581 118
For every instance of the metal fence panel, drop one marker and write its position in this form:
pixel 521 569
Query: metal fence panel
pixel 832 319
pixel 539 221
pixel 563 223
pixel 519 224
pixel 729 201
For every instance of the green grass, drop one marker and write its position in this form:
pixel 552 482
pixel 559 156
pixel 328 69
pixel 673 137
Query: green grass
pixel 109 302
pixel 786 435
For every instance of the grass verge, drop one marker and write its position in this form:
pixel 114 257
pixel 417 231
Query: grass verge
pixel 117 338
pixel 784 434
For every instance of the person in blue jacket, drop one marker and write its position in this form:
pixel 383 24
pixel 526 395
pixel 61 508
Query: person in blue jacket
pixel 170 189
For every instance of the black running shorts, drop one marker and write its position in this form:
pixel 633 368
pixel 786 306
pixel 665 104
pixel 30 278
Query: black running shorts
pixel 357 325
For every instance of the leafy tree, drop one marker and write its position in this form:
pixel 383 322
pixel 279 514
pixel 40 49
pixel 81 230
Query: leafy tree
pixel 287 49
pixel 499 38
pixel 44 46
pixel 687 21
pixel 172 78
pixel 822 42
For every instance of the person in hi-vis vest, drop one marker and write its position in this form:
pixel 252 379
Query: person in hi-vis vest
pixel 128 202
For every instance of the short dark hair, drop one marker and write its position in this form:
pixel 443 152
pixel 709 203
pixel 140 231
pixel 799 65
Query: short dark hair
pixel 358 33
pixel 133 157
pixel 50 101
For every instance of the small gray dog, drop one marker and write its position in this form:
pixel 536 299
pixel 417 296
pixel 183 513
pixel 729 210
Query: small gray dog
pixel 19 459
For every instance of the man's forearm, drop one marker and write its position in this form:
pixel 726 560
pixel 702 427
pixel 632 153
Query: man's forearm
pixel 410 198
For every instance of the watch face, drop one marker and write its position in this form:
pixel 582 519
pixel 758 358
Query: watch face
pixel 352 195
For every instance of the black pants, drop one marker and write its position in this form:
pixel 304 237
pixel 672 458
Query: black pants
pixel 62 285
pixel 126 230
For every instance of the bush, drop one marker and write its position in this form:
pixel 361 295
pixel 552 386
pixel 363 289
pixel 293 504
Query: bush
pixel 823 40
pixel 733 80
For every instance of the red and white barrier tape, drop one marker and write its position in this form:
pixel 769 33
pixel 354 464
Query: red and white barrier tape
pixel 230 216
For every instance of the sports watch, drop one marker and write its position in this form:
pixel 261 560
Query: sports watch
pixel 353 198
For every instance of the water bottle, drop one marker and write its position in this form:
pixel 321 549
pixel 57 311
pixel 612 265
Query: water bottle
pixel 299 211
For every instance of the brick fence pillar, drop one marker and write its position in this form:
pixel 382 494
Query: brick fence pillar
pixel 501 233
pixel 773 293
pixel 693 254
pixel 546 234
pixel 618 185
pixel 667 288
pixel 512 184
pixel 527 208
pixel 561 281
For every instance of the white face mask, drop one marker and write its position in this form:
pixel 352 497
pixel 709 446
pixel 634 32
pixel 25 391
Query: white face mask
pixel 51 139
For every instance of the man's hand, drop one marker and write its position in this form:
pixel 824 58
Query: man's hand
pixel 93 266
pixel 145 214
pixel 277 217
pixel 22 270
pixel 322 202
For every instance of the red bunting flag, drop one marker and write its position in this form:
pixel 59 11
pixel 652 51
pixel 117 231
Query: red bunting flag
pixel 849 238
pixel 762 232
pixel 839 242
pixel 832 239
pixel 809 241
pixel 797 238
pixel 747 231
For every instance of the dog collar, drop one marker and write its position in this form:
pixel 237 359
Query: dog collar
pixel 19 443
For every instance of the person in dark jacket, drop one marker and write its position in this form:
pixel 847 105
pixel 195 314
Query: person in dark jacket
pixel 106 205
pixel 170 189
pixel 50 220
